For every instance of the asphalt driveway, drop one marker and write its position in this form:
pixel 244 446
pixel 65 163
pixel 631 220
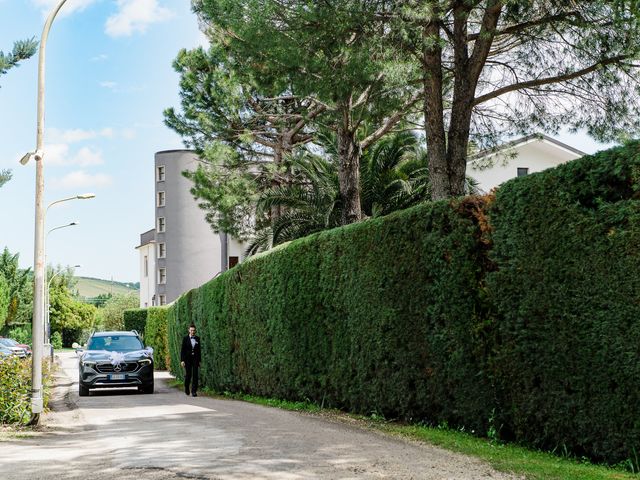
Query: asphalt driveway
pixel 168 435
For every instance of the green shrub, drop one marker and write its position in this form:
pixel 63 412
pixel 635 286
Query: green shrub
pixel 15 389
pixel 20 333
pixel 56 340
pixel 156 336
pixel 135 319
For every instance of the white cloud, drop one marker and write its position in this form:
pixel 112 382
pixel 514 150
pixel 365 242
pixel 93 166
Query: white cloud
pixel 57 155
pixel 74 135
pixel 134 16
pixel 70 7
pixel 99 58
pixel 108 84
pixel 82 179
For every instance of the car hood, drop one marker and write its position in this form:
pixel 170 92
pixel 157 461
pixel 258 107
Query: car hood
pixel 116 358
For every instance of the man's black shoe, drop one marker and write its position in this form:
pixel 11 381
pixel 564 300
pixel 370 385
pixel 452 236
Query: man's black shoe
pixel 186 393
pixel 194 394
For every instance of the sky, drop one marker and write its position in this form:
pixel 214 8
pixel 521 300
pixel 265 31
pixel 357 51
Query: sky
pixel 109 77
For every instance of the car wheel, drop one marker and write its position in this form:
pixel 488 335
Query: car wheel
pixel 83 391
pixel 147 388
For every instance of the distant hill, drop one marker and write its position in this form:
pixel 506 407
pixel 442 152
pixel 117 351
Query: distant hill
pixel 92 287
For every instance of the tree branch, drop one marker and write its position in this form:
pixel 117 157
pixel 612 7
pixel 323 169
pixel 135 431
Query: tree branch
pixel 548 80
pixel 524 25
pixel 390 122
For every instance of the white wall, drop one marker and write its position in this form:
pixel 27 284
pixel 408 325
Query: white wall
pixel 536 155
pixel 148 282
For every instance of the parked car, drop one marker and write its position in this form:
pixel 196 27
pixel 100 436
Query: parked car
pixel 24 346
pixel 5 351
pixel 115 359
pixel 12 345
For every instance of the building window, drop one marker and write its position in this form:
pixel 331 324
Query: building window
pixel 162 276
pixel 160 173
pixel 146 266
pixel 161 225
pixel 163 299
pixel 160 202
pixel 162 250
pixel 233 261
pixel 522 171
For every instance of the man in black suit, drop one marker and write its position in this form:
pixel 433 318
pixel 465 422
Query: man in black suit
pixel 190 360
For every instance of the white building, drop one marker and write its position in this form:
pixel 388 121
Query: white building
pixel 186 252
pixel 530 154
pixel 147 250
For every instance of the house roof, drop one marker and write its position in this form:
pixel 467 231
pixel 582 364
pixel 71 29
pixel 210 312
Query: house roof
pixel 525 140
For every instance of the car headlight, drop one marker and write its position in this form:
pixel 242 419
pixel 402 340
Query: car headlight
pixel 89 364
pixel 145 361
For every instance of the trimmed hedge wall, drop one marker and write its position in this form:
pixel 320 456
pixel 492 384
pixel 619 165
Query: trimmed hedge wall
pixel 518 313
pixel 156 336
pixel 567 296
pixel 151 323
pixel 135 319
pixel 400 335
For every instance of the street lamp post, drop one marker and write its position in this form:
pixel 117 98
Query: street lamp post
pixel 37 403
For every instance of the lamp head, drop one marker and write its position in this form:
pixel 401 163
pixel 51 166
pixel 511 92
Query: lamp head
pixel 86 196
pixel 25 159
pixel 37 155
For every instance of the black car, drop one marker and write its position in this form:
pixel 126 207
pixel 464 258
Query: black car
pixel 115 359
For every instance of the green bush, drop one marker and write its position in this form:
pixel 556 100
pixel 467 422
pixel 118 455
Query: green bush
pixel 20 333
pixel 15 389
pixel 135 319
pixel 156 336
pixel 566 293
pixel 56 340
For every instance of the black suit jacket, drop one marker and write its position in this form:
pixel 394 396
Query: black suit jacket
pixel 189 354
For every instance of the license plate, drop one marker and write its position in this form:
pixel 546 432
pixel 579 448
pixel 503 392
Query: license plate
pixel 117 376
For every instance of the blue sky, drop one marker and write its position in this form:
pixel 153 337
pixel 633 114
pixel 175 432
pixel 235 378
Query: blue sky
pixel 109 77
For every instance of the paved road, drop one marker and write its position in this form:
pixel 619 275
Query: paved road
pixel 125 435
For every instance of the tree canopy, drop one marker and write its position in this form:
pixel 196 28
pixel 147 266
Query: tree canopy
pixel 19 286
pixel 281 74
pixel 22 50
pixel 496 68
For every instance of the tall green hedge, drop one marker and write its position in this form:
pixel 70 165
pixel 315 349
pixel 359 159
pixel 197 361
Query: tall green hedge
pixel 519 313
pixel 135 319
pixel 381 316
pixel 567 295
pixel 156 336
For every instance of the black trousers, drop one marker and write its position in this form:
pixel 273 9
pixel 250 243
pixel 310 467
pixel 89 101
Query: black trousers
pixel 190 377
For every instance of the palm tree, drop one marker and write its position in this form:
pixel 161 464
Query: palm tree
pixel 309 202
pixel 393 176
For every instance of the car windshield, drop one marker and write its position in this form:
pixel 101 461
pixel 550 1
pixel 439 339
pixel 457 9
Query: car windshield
pixel 8 342
pixel 115 343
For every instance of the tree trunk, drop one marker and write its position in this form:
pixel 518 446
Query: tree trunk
pixel 433 112
pixel 349 175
